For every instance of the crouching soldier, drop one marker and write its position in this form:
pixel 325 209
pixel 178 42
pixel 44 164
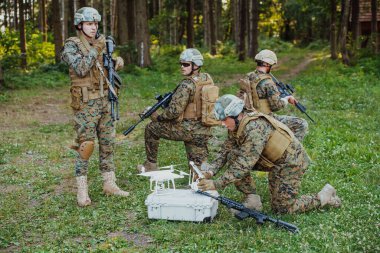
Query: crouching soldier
pixel 259 91
pixel 187 117
pixel 258 141
pixel 91 107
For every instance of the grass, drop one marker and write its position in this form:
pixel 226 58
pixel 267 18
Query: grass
pixel 37 194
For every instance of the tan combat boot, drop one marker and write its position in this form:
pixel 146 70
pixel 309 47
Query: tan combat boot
pixel 147 166
pixel 328 196
pixel 82 194
pixel 109 185
pixel 251 201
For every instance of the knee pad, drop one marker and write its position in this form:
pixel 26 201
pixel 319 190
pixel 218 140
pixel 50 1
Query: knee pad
pixel 85 149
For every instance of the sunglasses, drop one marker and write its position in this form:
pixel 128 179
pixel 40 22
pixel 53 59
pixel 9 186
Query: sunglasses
pixel 184 64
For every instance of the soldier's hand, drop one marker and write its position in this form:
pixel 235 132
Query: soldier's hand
pixel 206 174
pixel 206 185
pixel 119 63
pixel 292 100
pixel 154 117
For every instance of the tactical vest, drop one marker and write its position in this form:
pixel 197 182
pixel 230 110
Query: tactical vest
pixel 201 105
pixel 91 86
pixel 279 140
pixel 250 97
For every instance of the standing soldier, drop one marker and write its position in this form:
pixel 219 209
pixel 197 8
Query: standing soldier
pixel 259 139
pixel 259 91
pixel 183 120
pixel 91 107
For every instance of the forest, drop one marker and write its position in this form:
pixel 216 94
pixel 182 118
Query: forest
pixel 327 49
pixel 33 31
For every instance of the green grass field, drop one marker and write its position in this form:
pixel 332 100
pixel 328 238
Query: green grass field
pixel 38 211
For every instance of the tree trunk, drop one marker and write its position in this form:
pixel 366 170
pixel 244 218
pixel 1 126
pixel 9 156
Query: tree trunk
pixel 104 16
pixel 142 34
pixel 190 24
pixel 212 28
pixel 242 27
pixel 15 14
pixel 64 19
pixel 113 6
pixel 253 28
pixel 57 30
pixel 5 7
pixel 218 19
pixel 233 20
pixel 122 27
pixel 333 30
pixel 22 35
pixel 206 24
pixel 355 24
pixel 81 3
pixel 374 33
pixel 131 20
pixel 43 21
pixel 343 36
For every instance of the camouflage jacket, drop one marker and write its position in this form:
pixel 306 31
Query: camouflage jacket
pixel 266 89
pixel 80 63
pixel 242 158
pixel 177 106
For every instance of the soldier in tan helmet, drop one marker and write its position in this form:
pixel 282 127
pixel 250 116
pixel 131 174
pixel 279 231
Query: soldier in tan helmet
pixel 259 91
pixel 257 141
pixel 90 103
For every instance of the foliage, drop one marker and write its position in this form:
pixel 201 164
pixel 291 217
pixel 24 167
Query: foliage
pixel 37 197
pixel 37 51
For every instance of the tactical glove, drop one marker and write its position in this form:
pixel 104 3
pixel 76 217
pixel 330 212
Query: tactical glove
pixel 206 185
pixel 154 117
pixel 119 63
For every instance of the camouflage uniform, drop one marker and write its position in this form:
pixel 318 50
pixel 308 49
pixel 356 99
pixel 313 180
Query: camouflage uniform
pixel 168 126
pixel 267 89
pixel 244 154
pixel 91 118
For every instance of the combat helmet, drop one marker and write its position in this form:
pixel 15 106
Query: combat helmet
pixel 267 56
pixel 193 55
pixel 86 14
pixel 228 106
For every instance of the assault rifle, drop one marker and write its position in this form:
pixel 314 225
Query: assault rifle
pixel 163 101
pixel 246 212
pixel 114 80
pixel 288 90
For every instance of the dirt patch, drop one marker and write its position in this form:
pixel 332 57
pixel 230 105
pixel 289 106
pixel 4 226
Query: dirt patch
pixel 139 240
pixel 9 188
pixel 49 107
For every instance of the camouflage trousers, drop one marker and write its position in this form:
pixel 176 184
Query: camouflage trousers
pixel 93 120
pixel 195 144
pixel 284 182
pixel 298 126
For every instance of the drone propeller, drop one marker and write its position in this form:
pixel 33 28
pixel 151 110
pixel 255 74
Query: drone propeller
pixel 170 166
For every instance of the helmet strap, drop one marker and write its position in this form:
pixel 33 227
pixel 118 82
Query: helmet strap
pixel 193 69
pixel 237 122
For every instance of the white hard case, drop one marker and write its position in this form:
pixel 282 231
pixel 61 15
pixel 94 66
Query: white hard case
pixel 180 204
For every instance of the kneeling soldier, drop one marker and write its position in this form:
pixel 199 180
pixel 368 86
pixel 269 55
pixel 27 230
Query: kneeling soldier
pixel 91 107
pixel 257 141
pixel 184 119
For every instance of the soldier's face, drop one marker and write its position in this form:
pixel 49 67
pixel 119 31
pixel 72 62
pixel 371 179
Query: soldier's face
pixel 90 28
pixel 185 68
pixel 229 123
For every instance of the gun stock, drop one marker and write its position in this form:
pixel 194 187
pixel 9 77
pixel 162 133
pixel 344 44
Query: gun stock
pixel 246 212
